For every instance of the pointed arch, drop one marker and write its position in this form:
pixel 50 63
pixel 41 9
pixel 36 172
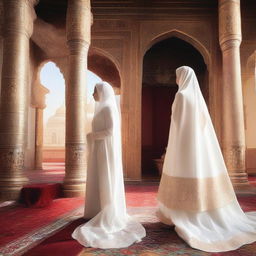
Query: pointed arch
pixel 185 37
pixel 104 65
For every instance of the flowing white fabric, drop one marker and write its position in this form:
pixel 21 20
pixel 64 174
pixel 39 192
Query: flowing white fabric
pixel 195 192
pixel 110 226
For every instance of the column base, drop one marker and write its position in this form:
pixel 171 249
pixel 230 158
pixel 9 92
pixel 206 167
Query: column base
pixel 241 184
pixel 9 195
pixel 244 189
pixel 10 189
pixel 239 178
pixel 73 190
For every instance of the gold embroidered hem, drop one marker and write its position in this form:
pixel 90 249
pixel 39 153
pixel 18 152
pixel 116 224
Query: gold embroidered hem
pixel 220 246
pixel 195 194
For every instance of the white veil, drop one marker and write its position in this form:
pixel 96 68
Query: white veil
pixel 195 192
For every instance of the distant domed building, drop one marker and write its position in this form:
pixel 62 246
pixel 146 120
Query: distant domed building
pixel 54 134
pixel 54 137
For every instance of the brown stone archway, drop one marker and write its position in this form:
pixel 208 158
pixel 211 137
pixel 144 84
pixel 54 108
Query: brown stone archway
pixel 104 66
pixel 158 92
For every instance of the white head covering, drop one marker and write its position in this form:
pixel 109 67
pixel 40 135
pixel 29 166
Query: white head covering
pixel 107 99
pixel 188 84
pixel 189 125
pixel 106 95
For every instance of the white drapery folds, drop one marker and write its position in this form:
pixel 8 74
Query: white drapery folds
pixel 110 226
pixel 195 192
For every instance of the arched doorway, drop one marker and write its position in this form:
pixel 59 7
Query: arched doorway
pixel 249 97
pixel 104 67
pixel 158 92
pixel 54 115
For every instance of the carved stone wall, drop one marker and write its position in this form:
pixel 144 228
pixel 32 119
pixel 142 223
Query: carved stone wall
pixel 123 35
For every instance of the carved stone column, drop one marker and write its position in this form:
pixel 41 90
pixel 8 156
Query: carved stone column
pixel 17 29
pixel 1 39
pixel 78 40
pixel 38 94
pixel 39 139
pixel 232 113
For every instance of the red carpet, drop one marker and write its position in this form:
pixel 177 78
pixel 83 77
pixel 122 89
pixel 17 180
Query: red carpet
pixel 16 221
pixel 160 240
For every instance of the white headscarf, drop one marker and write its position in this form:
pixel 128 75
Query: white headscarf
pixel 107 99
pixel 106 96
pixel 191 131
pixel 188 84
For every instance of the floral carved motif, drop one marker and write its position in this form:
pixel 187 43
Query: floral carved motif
pixel 12 158
pixel 234 157
pixel 76 154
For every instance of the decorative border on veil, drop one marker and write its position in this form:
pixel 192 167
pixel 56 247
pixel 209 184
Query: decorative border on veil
pixel 195 194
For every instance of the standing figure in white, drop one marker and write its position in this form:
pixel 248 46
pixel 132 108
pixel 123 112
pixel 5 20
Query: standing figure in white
pixel 195 192
pixel 109 226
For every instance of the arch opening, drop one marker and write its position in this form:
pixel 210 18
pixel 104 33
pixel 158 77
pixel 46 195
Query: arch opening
pixel 104 67
pixel 158 93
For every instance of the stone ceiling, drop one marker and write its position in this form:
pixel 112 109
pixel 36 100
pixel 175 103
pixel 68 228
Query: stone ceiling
pixel 55 11
pixel 50 10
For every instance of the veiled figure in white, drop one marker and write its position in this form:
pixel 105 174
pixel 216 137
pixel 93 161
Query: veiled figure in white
pixel 195 193
pixel 109 226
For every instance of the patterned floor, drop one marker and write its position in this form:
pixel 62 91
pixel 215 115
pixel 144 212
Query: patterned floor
pixel 160 240
pixel 141 200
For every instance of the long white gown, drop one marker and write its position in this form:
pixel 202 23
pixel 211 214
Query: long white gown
pixel 195 192
pixel 110 226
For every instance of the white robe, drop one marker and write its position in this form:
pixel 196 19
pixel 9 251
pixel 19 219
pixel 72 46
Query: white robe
pixel 195 192
pixel 110 226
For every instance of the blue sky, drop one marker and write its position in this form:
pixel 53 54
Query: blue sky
pixel 52 79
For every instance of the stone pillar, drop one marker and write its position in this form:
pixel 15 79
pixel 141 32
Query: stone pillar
pixel 1 40
pixel 17 29
pixel 233 134
pixel 38 94
pixel 39 139
pixel 78 41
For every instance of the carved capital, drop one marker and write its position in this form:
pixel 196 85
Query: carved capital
pixel 229 21
pixel 78 23
pixel 230 44
pixel 78 47
pixel 38 96
pixel 19 16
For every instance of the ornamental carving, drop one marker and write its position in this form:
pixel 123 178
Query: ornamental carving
pixel 229 21
pixel 12 158
pixel 110 24
pixel 76 154
pixel 19 16
pixel 235 158
pixel 79 20
pixel 10 89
